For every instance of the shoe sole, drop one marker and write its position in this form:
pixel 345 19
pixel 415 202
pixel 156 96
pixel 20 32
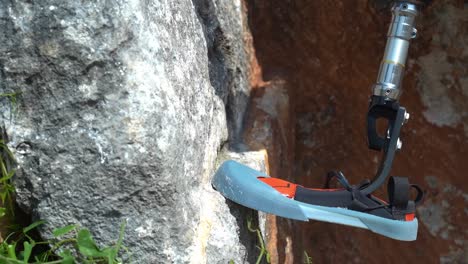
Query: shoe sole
pixel 240 184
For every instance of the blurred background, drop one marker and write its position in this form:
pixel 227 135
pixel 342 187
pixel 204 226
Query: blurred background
pixel 314 67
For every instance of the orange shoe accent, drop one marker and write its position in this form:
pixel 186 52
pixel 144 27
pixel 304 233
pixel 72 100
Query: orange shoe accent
pixel 409 217
pixel 284 187
pixel 288 189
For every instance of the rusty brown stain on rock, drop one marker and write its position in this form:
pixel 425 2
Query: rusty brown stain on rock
pixel 326 55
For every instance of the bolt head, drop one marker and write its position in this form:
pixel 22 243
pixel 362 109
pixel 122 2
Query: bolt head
pixel 407 116
pixel 399 144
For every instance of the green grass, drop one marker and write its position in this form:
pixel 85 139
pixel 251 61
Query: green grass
pixel 7 189
pixel 13 100
pixel 7 162
pixel 70 244
pixel 307 258
pixel 263 251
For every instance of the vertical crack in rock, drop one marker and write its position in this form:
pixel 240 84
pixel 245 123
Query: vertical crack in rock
pixel 228 67
pixel 223 28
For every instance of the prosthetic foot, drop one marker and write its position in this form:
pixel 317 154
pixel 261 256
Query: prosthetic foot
pixel 352 205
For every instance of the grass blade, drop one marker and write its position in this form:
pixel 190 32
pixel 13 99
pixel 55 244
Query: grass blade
pixel 33 225
pixel 63 230
pixel 27 251
pixel 87 246
pixel 67 257
pixel 12 251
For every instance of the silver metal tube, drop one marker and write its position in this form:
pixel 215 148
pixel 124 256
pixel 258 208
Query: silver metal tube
pixel 400 32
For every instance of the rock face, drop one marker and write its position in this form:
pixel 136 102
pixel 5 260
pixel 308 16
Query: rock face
pixel 127 106
pixel 124 106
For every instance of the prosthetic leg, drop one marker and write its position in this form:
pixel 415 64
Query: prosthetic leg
pixel 352 205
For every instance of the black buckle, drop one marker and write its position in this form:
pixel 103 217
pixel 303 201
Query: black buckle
pixel 395 115
pixel 380 109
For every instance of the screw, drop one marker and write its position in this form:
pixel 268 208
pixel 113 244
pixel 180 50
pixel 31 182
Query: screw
pixel 407 116
pixel 414 33
pixel 399 144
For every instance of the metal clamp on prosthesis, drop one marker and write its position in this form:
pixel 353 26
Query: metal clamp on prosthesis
pixel 387 90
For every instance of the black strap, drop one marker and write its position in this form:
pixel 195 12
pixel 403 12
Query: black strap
pixel 340 177
pixel 398 189
pixel 419 196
